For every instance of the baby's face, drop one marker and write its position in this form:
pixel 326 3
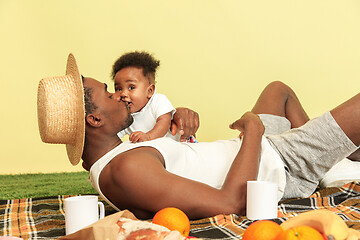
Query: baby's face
pixel 133 87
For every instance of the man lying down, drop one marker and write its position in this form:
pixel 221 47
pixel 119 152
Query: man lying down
pixel 277 142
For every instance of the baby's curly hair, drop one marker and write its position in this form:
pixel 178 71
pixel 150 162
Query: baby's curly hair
pixel 142 60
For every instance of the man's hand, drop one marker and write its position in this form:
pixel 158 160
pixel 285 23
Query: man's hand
pixel 186 122
pixel 139 137
pixel 247 119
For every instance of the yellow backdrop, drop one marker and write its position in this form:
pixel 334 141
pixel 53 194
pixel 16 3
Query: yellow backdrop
pixel 216 56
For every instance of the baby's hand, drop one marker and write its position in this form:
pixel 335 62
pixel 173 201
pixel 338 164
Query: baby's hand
pixel 139 137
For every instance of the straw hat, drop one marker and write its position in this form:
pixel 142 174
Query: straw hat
pixel 61 111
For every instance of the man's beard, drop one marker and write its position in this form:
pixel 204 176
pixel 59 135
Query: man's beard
pixel 129 121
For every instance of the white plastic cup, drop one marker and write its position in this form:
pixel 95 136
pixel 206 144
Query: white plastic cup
pixel 81 211
pixel 261 200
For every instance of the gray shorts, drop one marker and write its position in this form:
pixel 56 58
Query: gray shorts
pixel 308 151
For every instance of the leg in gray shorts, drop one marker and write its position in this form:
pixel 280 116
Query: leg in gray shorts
pixel 308 151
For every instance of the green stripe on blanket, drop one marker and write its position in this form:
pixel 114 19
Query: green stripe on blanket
pixel 43 218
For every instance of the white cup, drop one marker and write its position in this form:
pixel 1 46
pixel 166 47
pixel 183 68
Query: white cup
pixel 261 200
pixel 81 211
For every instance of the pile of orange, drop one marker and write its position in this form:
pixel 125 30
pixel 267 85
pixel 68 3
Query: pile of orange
pixel 269 230
pixel 173 219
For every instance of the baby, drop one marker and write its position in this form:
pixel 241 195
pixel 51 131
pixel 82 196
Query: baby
pixel 134 80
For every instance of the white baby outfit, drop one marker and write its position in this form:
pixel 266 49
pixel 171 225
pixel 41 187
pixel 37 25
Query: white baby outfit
pixel 145 119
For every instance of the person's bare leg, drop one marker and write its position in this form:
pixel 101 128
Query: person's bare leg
pixel 279 99
pixel 347 115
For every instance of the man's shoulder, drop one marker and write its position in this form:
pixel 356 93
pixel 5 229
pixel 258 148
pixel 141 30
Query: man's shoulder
pixel 133 157
pixel 131 165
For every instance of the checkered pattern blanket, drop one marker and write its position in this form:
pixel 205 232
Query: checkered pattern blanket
pixel 43 218
pixel 36 218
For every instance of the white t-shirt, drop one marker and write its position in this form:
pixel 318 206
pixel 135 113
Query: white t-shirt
pixel 145 119
pixel 206 162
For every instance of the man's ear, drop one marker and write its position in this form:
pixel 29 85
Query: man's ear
pixel 94 120
pixel 151 90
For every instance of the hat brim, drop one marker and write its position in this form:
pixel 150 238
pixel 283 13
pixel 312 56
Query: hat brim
pixel 75 150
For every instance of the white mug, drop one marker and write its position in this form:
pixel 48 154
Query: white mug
pixel 261 200
pixel 81 211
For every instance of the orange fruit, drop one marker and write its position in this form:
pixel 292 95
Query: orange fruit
pixel 262 230
pixel 173 219
pixel 301 233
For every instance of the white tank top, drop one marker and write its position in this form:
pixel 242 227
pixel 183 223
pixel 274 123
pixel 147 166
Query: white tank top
pixel 206 162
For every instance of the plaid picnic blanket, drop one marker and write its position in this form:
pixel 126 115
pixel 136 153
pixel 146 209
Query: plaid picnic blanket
pixel 36 218
pixel 43 218
pixel 344 201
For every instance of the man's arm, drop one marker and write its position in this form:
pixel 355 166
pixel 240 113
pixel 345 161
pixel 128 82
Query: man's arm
pixel 137 180
pixel 246 163
pixel 186 122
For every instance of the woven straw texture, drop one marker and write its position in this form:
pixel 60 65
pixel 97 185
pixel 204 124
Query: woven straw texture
pixel 61 111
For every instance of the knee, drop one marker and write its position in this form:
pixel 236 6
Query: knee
pixel 279 88
pixel 277 85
